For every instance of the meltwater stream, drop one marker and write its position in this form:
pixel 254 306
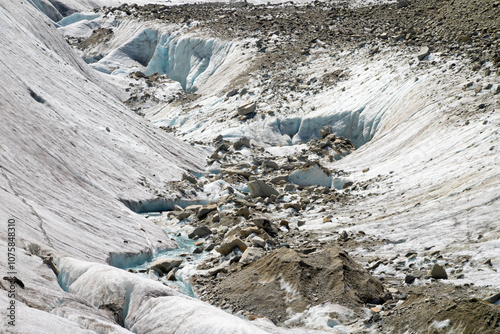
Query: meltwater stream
pixel 185 251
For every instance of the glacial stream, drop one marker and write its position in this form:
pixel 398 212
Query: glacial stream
pixel 184 251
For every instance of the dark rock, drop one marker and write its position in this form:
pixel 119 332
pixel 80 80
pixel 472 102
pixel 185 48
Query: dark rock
pixel 409 279
pixel 200 232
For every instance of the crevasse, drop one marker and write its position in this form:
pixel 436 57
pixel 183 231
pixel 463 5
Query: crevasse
pixel 188 60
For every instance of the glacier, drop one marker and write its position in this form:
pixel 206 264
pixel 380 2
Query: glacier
pixel 73 156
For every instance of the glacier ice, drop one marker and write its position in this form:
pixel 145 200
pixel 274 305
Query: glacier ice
pixel 188 59
pixel 77 17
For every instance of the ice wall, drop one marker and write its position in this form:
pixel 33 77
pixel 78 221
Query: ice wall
pixel 47 8
pixel 188 60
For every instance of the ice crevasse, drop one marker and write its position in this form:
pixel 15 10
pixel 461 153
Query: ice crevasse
pixel 189 59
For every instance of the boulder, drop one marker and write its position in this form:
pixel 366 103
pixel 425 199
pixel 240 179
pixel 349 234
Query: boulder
pixel 231 93
pixel 270 164
pixel 279 179
pixel 235 171
pixel 184 214
pixel 424 52
pixel 437 272
pixel 251 254
pixel 189 178
pixel 203 211
pixel 164 265
pixel 193 208
pixel 259 188
pixel 200 232
pixel 228 245
pixel 258 241
pixel 403 3
pixel 246 108
pixel 242 142
pixel 171 275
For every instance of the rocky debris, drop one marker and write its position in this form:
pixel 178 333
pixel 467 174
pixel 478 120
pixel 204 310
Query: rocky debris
pixel 233 171
pixel 258 242
pixel 200 232
pixel 445 309
pixel 204 210
pixel 242 142
pixel 288 35
pixel 164 265
pixel 289 280
pixel 325 131
pixel 251 254
pixel 228 245
pixel 259 188
pixel 438 272
pixel 246 108
pixel 184 214
pixel 189 178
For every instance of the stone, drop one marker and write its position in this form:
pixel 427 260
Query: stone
pixel 251 254
pixel 295 206
pixel 232 92
pixel 424 52
pixel 198 250
pixel 164 265
pixel 242 142
pixel 270 164
pixel 347 184
pixel 409 279
pixel 325 131
pixel 438 272
pixel 243 211
pixel 184 214
pixel 246 108
pixel 202 212
pixel 258 241
pixel 259 188
pixel 210 247
pixel 228 245
pixel 289 187
pixel 234 171
pixel 344 235
pixel 403 3
pixel 279 179
pixel 266 225
pixel 243 202
pixel 200 232
pixel 171 275
pixel 189 178
pixel 493 298
pixel 193 208
pixel 244 233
